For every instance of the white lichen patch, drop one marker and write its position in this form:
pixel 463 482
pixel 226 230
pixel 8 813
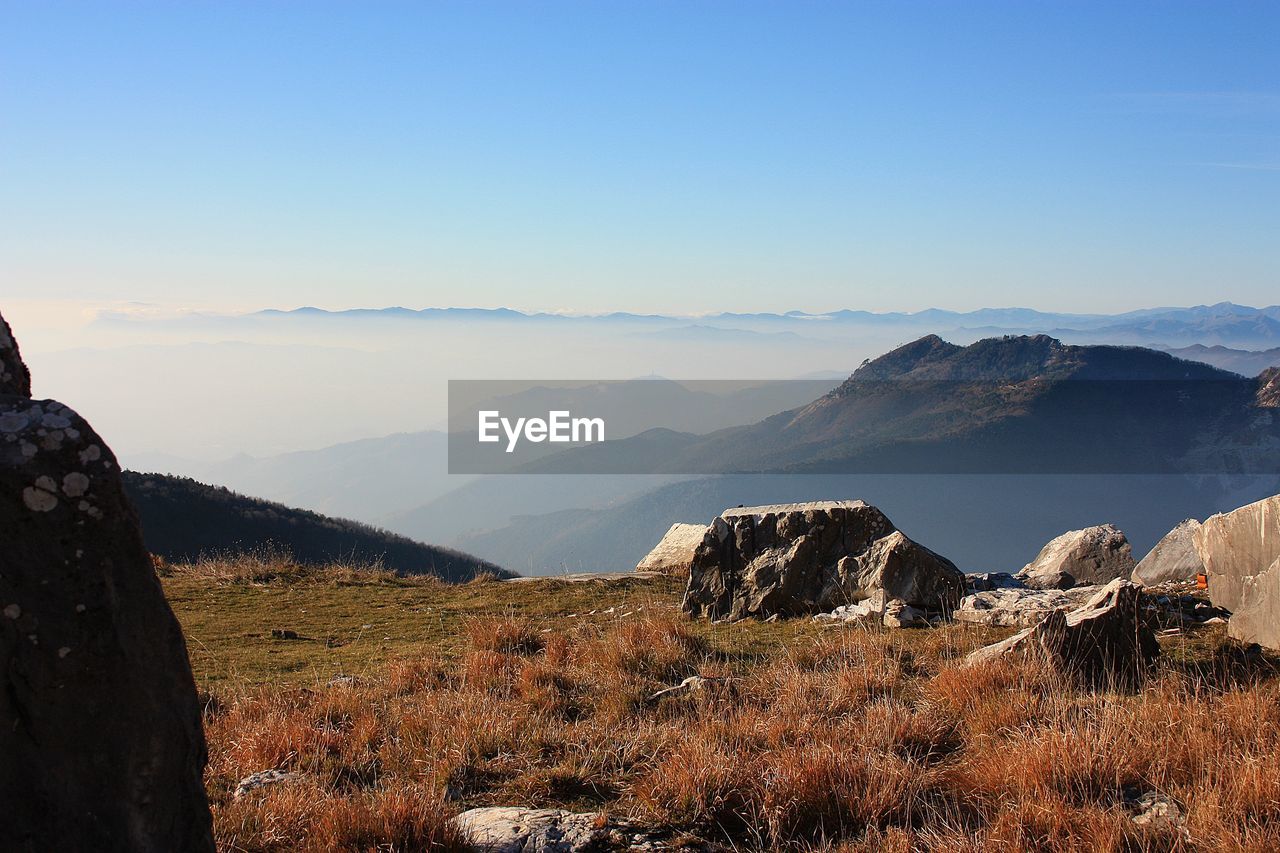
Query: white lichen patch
pixel 12 611
pixel 38 500
pixel 13 422
pixel 52 421
pixel 75 484
pixel 92 453
pixel 64 651
pixel 28 449
pixel 44 481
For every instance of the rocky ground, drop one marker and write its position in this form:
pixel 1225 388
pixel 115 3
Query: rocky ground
pixel 407 714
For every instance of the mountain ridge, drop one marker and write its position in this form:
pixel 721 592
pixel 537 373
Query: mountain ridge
pixel 184 519
pixel 998 404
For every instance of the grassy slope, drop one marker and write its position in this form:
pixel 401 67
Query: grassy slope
pixel 354 622
pixel 850 739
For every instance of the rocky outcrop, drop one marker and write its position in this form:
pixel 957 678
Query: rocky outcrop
pixel 1258 619
pixel 674 553
pixel 1174 558
pixel 876 610
pixel 1018 607
pixel 1237 546
pixel 1268 396
pixel 985 581
pixel 1092 555
pixel 101 746
pixel 1106 641
pixel 14 378
pixel 793 559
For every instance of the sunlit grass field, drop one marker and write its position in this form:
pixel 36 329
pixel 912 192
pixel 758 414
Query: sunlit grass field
pixel 397 703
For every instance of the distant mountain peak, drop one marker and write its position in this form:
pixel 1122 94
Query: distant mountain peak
pixel 1018 358
pixel 907 358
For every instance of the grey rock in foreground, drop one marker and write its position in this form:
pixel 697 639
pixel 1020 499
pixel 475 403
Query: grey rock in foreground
pixel 1236 546
pixel 1174 558
pixel 874 610
pixel 505 829
pixel 674 553
pixel 261 779
pixel 511 829
pixel 986 581
pixel 1018 607
pixel 1258 619
pixel 794 559
pixel 101 745
pixel 1093 555
pixel 1105 641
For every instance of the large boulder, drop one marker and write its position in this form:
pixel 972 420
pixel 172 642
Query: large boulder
pixel 14 378
pixel 793 559
pixel 674 553
pixel 1174 558
pixel 101 746
pixel 1237 546
pixel 1258 619
pixel 1105 641
pixel 1093 555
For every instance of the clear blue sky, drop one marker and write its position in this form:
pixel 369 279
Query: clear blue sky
pixel 659 156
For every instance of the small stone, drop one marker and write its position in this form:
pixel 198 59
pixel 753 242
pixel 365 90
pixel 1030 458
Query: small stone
pixel 499 829
pixel 261 779
pixel 1158 811
pixel 899 614
pixel 692 684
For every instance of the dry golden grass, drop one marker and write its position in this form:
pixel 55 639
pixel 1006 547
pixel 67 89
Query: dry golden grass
pixel 842 739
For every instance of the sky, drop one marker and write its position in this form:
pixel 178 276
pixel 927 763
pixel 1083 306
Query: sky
pixel 673 157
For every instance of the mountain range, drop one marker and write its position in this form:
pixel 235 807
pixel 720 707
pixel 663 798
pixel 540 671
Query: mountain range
pixel 1017 404
pixel 985 403
pixel 1223 323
